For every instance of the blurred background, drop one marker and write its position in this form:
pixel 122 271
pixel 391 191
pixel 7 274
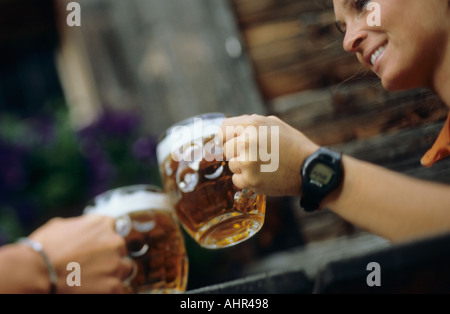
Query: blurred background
pixel 82 107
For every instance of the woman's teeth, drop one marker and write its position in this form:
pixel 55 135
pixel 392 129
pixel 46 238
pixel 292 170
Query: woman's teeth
pixel 376 54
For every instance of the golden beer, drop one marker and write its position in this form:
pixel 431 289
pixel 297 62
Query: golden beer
pixel 199 183
pixel 145 218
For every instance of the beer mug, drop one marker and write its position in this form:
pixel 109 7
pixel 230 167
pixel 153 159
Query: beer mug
pixel 145 218
pixel 199 183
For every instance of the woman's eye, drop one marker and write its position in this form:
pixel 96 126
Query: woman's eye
pixel 341 27
pixel 360 4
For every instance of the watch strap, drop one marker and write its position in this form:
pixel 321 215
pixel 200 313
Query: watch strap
pixel 309 205
pixel 311 198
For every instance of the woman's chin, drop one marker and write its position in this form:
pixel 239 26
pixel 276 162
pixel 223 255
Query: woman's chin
pixel 397 80
pixel 390 86
pixel 397 83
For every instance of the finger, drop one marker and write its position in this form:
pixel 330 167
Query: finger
pixel 238 181
pixel 273 118
pixel 129 269
pixel 111 221
pixel 231 131
pixel 129 272
pixel 232 127
pixel 243 147
pixel 121 246
pixel 241 183
pixel 98 219
pixel 221 134
pixel 230 149
pixel 247 145
pixel 234 166
pixel 238 120
pixel 115 241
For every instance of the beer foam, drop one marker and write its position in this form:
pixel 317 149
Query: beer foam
pixel 187 131
pixel 119 202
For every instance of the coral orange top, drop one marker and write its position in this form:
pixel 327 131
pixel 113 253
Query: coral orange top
pixel 441 148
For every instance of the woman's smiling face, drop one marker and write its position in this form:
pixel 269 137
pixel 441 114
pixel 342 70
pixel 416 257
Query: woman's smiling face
pixel 406 47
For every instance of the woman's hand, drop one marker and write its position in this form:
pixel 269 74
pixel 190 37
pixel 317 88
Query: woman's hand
pixel 265 154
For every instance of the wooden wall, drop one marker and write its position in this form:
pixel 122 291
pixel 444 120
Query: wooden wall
pixel 293 44
pixel 169 59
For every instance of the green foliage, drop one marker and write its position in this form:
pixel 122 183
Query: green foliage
pixel 47 169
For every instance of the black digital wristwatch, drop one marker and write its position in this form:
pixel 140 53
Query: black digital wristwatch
pixel 321 173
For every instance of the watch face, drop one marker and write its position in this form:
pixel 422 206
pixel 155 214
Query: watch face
pixel 321 173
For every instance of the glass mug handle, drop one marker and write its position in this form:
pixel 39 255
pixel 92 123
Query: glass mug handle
pixel 123 227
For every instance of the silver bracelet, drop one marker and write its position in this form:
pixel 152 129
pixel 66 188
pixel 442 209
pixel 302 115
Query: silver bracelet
pixel 38 248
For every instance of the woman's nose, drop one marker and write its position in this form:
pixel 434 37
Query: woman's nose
pixel 354 36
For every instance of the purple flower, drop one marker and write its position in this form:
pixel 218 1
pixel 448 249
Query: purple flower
pixel 44 128
pixel 113 123
pixel 3 238
pixel 12 173
pixel 144 149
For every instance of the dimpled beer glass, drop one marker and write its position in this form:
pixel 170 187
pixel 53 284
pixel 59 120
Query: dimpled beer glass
pixel 145 218
pixel 198 181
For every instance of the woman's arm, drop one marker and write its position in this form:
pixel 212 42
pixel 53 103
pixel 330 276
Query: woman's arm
pixel 390 204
